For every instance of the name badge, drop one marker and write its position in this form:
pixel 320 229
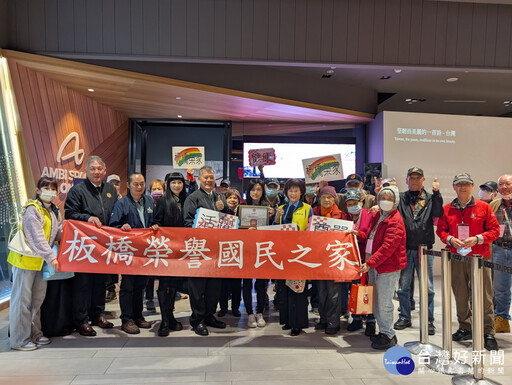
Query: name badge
pixel 502 230
pixel 369 246
pixel 463 232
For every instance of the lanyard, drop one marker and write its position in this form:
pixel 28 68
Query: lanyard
pixel 508 222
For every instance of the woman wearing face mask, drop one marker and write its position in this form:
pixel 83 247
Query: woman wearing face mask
pixel 293 307
pixel 385 257
pixel 310 196
pixel 256 197
pixel 157 189
pixel 231 286
pixel 361 218
pixel 169 213
pixel 329 300
pixel 42 226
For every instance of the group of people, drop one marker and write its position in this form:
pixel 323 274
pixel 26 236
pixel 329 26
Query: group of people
pixel 389 229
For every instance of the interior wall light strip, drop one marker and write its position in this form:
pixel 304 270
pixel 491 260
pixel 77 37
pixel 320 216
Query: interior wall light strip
pixel 12 127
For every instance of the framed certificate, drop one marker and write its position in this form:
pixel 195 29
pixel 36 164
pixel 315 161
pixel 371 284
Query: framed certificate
pixel 252 216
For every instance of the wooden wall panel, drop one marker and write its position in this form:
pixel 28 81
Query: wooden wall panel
pixel 414 32
pixel 49 112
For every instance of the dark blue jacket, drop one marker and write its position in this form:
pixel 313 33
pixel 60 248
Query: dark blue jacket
pixel 125 211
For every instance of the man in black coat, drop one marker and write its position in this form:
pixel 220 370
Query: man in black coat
pixel 418 208
pixel 204 292
pixel 90 201
pixel 134 210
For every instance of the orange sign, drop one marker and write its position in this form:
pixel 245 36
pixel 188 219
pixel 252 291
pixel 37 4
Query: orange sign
pixel 188 252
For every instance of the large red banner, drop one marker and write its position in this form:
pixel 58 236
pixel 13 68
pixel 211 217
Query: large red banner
pixel 188 252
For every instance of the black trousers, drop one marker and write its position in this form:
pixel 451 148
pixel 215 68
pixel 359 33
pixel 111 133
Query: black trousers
pixel 329 299
pixel 150 288
pixel 204 296
pixel 131 297
pixel 261 289
pixel 231 286
pixel 293 307
pixel 88 297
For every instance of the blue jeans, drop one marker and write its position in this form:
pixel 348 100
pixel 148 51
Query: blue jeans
pixel 502 282
pixel 383 288
pixel 404 288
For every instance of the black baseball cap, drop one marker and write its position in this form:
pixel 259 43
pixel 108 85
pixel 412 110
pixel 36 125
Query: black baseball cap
pixel 354 178
pixel 272 181
pixel 415 170
pixel 490 185
pixel 225 182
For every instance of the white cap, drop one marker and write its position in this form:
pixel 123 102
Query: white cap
pixel 113 177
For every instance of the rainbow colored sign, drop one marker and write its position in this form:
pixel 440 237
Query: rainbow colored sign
pixel 326 168
pixel 186 157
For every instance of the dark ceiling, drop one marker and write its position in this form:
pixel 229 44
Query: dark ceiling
pixel 475 92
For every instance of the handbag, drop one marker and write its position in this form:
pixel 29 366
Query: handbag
pixel 361 298
pixel 19 244
pixel 297 285
pixel 49 273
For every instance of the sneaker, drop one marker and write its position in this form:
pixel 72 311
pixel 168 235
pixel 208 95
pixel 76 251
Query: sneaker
pixel 27 347
pixel 490 342
pixel 345 315
pixel 431 329
pixel 236 313
pixel 315 311
pixel 355 325
pixel 42 341
pixel 260 321
pixel 501 325
pixel 370 329
pixel 251 321
pixel 402 324
pixel 462 335
pixel 384 342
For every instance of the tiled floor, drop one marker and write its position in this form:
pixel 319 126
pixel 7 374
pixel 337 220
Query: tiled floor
pixel 235 355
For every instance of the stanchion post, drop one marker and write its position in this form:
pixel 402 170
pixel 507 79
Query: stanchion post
pixel 477 325
pixel 423 346
pixel 445 363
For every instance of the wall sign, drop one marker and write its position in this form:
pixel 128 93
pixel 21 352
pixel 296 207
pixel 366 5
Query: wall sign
pixel 62 174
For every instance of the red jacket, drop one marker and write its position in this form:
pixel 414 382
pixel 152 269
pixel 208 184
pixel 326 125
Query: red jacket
pixel 363 229
pixel 480 218
pixel 336 213
pixel 388 249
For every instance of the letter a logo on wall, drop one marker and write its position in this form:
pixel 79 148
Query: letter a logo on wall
pixel 77 154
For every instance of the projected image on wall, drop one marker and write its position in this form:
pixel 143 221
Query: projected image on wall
pixel 289 158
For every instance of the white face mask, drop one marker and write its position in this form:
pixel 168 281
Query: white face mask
pixel 47 195
pixel 485 195
pixel 386 205
pixel 354 209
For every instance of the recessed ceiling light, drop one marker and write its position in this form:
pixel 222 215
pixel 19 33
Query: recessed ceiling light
pixel 178 97
pixel 385 77
pixel 414 100
pixel 90 89
pixel 333 68
pixel 179 116
pixel 397 70
pixel 451 80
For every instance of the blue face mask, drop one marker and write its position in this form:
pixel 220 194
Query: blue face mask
pixel 271 192
pixel 354 209
pixel 310 190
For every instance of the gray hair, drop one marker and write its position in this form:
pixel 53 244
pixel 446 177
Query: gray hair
pixel 206 169
pixel 94 158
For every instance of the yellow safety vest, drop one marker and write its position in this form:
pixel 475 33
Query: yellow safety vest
pixel 300 216
pixel 32 263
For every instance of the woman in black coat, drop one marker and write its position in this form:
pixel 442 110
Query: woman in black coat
pixel 169 213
